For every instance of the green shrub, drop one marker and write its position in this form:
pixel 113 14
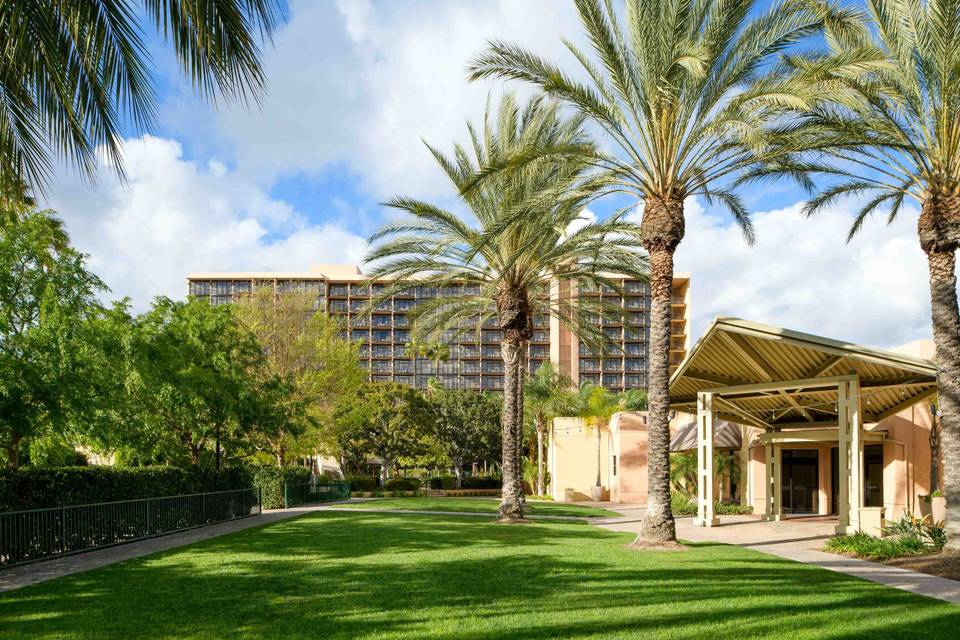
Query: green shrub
pixel 42 487
pixel 270 480
pixel 362 483
pixel 932 533
pixel 443 482
pixel 402 484
pixel 682 505
pixel 481 482
pixel 864 545
pixel 686 505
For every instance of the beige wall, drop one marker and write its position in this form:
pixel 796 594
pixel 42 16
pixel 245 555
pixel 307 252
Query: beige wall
pixel 572 459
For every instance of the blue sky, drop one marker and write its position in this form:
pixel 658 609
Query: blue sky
pixel 354 85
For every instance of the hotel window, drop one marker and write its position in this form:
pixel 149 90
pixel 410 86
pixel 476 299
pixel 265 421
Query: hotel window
pixel 383 305
pixel 470 383
pixel 613 333
pixel 633 349
pixel 635 364
pixel 364 351
pixel 359 321
pixel 200 288
pixel 382 351
pixel 400 351
pixel 538 351
pixel 221 287
pixel 401 321
pixel 450 382
pixel 469 351
pixel 358 305
pixel 635 286
pixel 634 303
pixel 338 306
pixel 450 291
pixel 381 336
pixel 589 365
pixel 541 336
pixel 403 305
pixel 381 321
pixel 358 334
pixel 612 365
pixel 590 378
pixel 635 381
pixel 471 290
pixel 407 380
pixel 636 334
pixel 491 366
pixel 492 382
pixel 490 352
pixel 401 336
pixel 491 336
pixel 610 380
pixel 382 366
pixel 426 292
pixel 636 319
pixel 359 290
pixel 402 366
pixel 469 366
pixel 338 290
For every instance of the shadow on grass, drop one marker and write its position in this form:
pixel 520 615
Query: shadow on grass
pixel 350 575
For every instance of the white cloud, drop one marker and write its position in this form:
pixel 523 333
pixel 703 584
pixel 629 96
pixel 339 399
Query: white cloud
pixel 801 274
pixel 174 216
pixel 361 84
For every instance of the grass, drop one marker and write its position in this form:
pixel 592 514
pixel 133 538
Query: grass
pixel 481 505
pixel 375 575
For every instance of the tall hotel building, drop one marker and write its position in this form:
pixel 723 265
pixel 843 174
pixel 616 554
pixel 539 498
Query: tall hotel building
pixel 474 362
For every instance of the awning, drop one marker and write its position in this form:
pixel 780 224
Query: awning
pixel 736 352
pixel 726 435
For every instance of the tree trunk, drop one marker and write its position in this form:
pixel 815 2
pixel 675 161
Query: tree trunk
pixel 598 458
pixel 13 452
pixel 946 337
pixel 458 471
pixel 541 490
pixel 521 376
pixel 662 228
pixel 384 463
pixel 935 452
pixel 511 505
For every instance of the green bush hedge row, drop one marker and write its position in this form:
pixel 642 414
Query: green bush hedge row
pixel 402 484
pixel 683 505
pixel 43 487
pixel 270 481
pixel 864 545
pixel 362 483
pixel 481 482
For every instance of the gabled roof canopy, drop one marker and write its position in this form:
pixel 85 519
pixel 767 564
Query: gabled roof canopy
pixel 736 352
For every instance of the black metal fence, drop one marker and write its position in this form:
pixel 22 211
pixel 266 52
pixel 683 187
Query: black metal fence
pixel 39 534
pixel 297 494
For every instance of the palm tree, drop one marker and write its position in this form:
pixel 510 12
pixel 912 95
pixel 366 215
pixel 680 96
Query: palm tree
pixel 435 352
pixel 73 70
pixel 597 406
pixel 512 257
pixel 886 126
pixel 546 395
pixel 675 90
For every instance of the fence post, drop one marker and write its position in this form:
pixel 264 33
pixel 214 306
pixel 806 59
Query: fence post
pixel 63 529
pixel 260 500
pixel 147 505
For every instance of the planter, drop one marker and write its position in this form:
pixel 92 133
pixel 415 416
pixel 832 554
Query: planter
pixel 598 494
pixel 938 509
pixel 934 508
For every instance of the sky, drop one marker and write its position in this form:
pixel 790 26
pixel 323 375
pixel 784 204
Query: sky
pixel 354 88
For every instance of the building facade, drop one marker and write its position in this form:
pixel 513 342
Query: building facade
pixel 474 362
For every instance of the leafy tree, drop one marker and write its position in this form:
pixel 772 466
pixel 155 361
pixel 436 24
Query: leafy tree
pixel 547 394
pixel 883 122
pixel 387 419
pixel 46 295
pixel 465 425
pixel 307 367
pixel 634 400
pixel 676 86
pixel 508 260
pixel 597 406
pixel 192 364
pixel 73 71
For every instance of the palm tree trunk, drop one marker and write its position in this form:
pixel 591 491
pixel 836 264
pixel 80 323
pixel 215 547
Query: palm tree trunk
pixel 521 376
pixel 662 229
pixel 541 490
pixel 511 506
pixel 946 337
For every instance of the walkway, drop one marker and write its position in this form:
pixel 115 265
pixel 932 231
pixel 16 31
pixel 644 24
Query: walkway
pixel 799 539
pixel 24 575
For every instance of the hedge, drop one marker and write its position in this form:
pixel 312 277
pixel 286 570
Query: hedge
pixel 402 484
pixel 481 482
pixel 362 483
pixel 43 487
pixel 270 481
pixel 443 482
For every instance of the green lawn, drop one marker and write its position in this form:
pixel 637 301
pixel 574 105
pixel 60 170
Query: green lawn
pixel 480 505
pixel 366 575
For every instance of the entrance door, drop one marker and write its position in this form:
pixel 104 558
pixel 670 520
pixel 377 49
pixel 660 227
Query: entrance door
pixel 800 469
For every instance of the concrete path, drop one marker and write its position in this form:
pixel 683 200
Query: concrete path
pixel 798 539
pixel 24 575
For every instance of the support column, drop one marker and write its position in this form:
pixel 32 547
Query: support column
pixel 705 420
pixel 856 454
pixel 769 504
pixel 746 479
pixel 843 461
pixel 778 482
